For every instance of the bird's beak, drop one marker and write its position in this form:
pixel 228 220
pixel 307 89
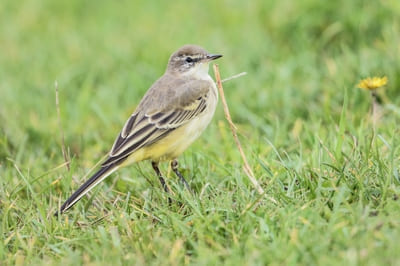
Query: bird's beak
pixel 211 57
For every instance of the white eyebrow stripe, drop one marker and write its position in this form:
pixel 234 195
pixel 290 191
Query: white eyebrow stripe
pixel 198 56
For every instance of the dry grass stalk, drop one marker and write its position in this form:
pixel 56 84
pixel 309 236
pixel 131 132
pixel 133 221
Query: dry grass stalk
pixel 64 151
pixel 246 166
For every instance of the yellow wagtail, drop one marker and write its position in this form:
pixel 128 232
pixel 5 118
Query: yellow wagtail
pixel 171 115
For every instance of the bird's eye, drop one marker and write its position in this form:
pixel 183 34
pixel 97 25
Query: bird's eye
pixel 189 59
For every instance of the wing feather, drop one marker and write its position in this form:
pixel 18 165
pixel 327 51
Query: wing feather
pixel 144 128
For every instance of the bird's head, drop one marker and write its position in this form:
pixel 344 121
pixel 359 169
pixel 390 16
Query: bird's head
pixel 191 60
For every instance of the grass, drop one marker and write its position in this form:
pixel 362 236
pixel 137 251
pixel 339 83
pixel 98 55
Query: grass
pixel 304 125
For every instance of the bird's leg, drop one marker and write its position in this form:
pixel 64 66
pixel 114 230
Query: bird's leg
pixel 160 177
pixel 174 166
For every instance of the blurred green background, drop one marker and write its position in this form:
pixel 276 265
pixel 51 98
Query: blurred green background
pixel 303 59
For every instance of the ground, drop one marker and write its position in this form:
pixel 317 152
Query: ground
pixel 331 169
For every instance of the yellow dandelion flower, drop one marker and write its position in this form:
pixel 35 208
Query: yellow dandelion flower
pixel 373 83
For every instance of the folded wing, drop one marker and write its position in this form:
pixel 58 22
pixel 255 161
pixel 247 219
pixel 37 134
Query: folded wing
pixel 145 127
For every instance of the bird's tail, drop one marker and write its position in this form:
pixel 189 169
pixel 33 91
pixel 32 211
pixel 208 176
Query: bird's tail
pixel 99 176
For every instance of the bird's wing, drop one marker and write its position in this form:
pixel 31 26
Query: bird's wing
pixel 176 107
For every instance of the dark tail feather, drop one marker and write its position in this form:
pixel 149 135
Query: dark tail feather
pixel 87 186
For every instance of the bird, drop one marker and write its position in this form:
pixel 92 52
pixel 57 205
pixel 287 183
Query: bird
pixel 172 114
